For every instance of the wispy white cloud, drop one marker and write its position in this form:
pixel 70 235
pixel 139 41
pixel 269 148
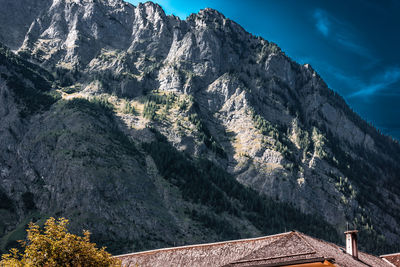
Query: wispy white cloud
pixel 379 83
pixel 322 22
pixel 364 88
pixel 350 44
pixel 341 32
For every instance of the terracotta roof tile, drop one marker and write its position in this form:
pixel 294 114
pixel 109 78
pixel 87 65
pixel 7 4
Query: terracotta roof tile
pixel 330 250
pixel 213 254
pixel 290 247
pixel 287 245
pixel 267 251
pixel 393 259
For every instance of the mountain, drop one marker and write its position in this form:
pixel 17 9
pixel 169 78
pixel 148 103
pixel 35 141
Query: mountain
pixel 152 131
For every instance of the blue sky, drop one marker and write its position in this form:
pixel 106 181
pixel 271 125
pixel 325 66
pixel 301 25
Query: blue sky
pixel 354 45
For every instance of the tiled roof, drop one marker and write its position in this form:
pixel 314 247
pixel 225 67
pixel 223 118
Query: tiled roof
pixel 394 259
pixel 286 248
pixel 213 254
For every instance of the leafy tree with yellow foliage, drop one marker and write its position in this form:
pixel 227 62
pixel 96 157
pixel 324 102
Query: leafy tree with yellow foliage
pixel 55 246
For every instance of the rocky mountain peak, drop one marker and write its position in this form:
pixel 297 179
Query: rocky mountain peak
pixel 210 13
pixel 152 11
pixel 153 5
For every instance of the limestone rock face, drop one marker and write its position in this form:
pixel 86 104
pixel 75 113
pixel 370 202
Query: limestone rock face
pixel 212 90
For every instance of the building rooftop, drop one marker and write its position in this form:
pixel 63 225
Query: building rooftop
pixel 393 259
pixel 286 249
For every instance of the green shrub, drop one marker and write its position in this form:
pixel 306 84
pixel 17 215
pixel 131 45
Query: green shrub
pixel 282 143
pixel 34 98
pixel 206 136
pixel 150 109
pixel 129 109
pixel 201 181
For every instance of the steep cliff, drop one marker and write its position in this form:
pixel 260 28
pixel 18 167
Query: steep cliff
pixel 154 131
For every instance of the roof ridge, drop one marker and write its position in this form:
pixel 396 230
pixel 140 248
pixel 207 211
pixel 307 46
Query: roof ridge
pixel 308 243
pixel 388 262
pixel 310 248
pixel 342 248
pixel 276 257
pixel 203 245
pixel 391 254
pixel 324 241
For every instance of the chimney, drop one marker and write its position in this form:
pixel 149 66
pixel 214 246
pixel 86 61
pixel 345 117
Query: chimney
pixel 351 243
